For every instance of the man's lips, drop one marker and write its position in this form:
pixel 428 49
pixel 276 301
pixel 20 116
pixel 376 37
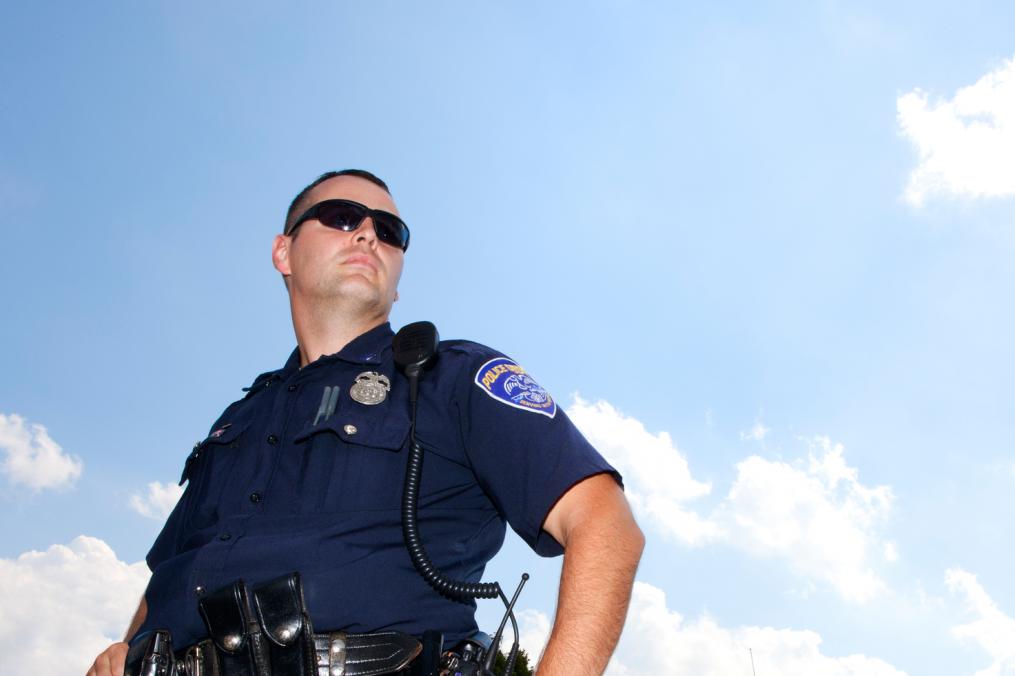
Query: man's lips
pixel 361 259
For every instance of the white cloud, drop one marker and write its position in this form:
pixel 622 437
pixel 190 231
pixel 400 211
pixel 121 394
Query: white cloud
pixel 533 632
pixel 815 515
pixel 756 433
pixel 158 502
pixel 656 474
pixel 818 517
pixel 63 606
pixel 32 458
pixel 966 144
pixel 991 629
pixel 657 640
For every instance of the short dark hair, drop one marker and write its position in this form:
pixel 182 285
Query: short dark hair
pixel 298 203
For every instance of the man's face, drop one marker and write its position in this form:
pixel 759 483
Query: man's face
pixel 322 263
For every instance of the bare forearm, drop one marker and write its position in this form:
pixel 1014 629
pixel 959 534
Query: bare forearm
pixel 139 617
pixel 600 561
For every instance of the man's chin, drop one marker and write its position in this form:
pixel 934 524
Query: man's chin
pixel 358 294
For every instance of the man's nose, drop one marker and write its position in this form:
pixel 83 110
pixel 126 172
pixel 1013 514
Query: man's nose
pixel 366 232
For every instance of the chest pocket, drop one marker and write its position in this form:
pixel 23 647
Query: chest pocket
pixel 353 460
pixel 207 468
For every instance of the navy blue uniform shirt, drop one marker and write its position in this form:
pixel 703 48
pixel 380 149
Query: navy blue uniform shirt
pixel 296 478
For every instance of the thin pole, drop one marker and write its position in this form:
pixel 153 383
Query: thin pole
pixel 752 662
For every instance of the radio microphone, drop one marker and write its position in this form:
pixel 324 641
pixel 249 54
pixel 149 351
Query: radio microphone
pixel 415 347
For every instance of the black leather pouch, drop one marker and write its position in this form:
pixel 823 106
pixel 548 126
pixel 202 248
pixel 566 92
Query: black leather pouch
pixel 152 655
pixel 238 644
pixel 282 615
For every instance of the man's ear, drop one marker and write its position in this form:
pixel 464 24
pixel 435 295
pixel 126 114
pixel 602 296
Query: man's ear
pixel 396 295
pixel 280 254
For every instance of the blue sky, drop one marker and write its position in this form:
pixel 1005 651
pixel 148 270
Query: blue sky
pixel 779 235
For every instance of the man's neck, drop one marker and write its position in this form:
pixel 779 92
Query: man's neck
pixel 326 330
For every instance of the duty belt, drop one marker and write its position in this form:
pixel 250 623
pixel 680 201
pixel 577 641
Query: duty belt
pixel 336 654
pixel 266 631
pixel 340 654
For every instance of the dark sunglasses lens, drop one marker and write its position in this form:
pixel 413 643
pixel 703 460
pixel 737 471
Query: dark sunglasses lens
pixel 390 230
pixel 341 215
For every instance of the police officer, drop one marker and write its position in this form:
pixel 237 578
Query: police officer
pixel 305 473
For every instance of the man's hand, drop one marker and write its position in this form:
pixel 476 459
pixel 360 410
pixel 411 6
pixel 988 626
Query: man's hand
pixel 602 546
pixel 110 661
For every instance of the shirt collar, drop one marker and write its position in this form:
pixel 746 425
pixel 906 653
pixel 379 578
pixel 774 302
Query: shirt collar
pixel 367 348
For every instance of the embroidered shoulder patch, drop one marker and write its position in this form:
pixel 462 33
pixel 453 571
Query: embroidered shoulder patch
pixel 508 383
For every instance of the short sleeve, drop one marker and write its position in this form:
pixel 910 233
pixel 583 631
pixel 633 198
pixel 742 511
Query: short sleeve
pixel 167 542
pixel 523 448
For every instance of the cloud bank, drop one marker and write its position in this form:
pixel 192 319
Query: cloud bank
pixel 966 144
pixel 80 593
pixel 656 473
pixel 31 458
pixel 814 514
pixel 657 640
pixel 817 516
pixel 990 628
pixel 157 501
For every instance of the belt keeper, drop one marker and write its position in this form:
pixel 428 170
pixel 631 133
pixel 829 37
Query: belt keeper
pixel 336 654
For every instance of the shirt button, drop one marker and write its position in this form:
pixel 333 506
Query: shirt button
pixel 272 439
pixel 350 429
pixel 198 590
pixel 255 498
pixel 291 388
pixel 224 537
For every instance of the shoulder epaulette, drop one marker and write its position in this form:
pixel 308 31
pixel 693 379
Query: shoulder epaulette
pixel 466 347
pixel 260 382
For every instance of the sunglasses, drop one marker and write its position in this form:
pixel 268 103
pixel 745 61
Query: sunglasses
pixel 347 216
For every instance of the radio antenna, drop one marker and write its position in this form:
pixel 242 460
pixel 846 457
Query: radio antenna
pixel 495 645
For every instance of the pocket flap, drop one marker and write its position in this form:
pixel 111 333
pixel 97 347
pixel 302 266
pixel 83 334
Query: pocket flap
pixel 222 611
pixel 279 605
pixel 224 434
pixel 387 432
